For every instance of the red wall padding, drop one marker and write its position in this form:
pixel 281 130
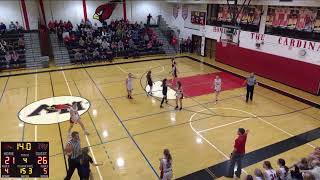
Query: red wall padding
pixel 301 75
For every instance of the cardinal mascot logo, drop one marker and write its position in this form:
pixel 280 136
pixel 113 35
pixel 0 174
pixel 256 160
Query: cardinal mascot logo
pixel 104 11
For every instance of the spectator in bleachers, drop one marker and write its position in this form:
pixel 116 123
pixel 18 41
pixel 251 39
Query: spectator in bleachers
pixel 120 46
pixel 69 26
pixel 3 28
pixel 14 58
pixel 105 45
pixel 95 26
pixel 3 47
pixel 88 23
pixel 21 43
pixel 12 26
pixel 81 42
pixel 96 54
pixel 18 26
pixel 51 26
pixel 78 56
pixel 8 58
pixel 283 170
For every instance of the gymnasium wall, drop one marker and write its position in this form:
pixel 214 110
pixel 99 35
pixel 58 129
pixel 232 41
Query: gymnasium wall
pixel 10 10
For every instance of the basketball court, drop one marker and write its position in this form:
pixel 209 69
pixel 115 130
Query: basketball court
pixel 129 135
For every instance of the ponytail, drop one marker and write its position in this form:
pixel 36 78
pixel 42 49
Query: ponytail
pixel 168 156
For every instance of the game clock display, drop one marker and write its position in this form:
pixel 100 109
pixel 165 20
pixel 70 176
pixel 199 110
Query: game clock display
pixel 24 159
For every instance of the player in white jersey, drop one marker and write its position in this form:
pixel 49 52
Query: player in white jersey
pixel 75 118
pixel 129 85
pixel 269 173
pixel 166 166
pixel 258 175
pixel 217 87
pixel 179 95
pixel 283 171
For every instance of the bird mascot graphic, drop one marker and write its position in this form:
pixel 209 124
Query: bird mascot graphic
pixel 104 11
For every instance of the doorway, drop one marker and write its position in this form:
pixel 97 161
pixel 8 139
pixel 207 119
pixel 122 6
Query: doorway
pixel 210 48
pixel 196 44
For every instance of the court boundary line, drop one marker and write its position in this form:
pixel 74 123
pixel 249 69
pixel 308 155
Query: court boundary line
pixel 303 100
pixel 223 125
pixel 123 125
pixel 86 136
pixel 59 128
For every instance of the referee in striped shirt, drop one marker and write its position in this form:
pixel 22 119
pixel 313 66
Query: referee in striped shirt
pixel 74 162
pixel 251 82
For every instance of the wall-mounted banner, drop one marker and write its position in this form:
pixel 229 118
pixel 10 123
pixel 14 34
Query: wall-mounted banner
pixel 104 11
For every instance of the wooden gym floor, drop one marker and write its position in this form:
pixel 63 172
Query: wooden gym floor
pixel 199 137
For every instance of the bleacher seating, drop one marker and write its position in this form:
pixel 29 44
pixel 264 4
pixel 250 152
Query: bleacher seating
pixel 122 39
pixel 9 43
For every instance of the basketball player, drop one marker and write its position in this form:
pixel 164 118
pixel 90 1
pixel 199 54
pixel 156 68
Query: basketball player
pixel 149 82
pixel 174 70
pixel 166 165
pixel 179 95
pixel 217 87
pixel 74 117
pixel 269 173
pixel 164 91
pixel 129 85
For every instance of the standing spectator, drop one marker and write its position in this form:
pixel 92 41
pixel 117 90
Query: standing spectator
pixel 148 20
pixel 73 150
pixel 3 28
pixel 51 26
pixel 69 26
pixel 18 26
pixel 85 161
pixel 12 26
pixel 251 82
pixel 166 165
pixel 238 153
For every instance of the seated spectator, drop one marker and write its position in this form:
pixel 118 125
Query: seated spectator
pixel 14 57
pixel 78 55
pixel 105 44
pixel 3 28
pixel 120 46
pixel 149 45
pixel 8 58
pixel 96 54
pixel 81 42
pixel 21 43
pixel 3 47
pixel 131 43
pixel 104 33
pixel 12 26
pixel 95 26
pixel 88 23
pixel 99 40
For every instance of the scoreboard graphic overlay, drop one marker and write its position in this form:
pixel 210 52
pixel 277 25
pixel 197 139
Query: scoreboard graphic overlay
pixel 24 159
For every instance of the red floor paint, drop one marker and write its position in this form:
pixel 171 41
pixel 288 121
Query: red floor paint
pixel 203 84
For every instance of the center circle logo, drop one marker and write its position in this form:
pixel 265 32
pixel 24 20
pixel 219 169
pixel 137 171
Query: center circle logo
pixel 42 111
